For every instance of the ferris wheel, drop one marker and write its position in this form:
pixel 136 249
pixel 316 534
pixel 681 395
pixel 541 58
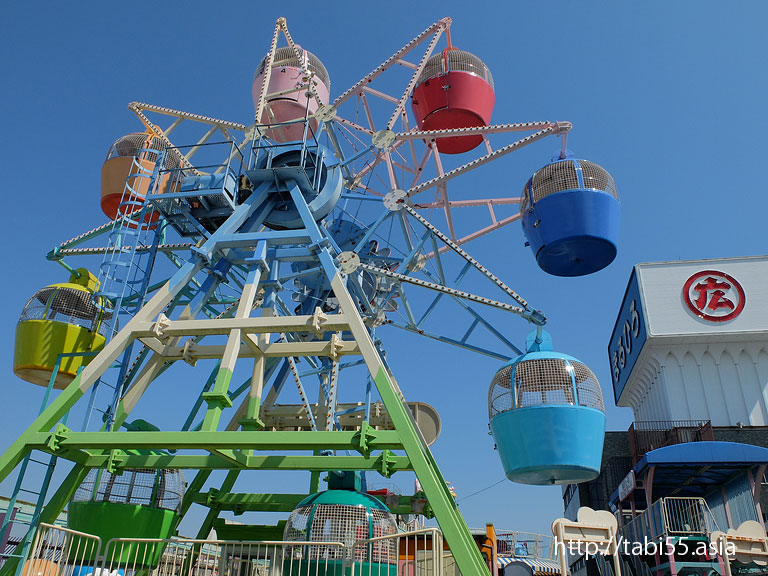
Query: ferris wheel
pixel 271 255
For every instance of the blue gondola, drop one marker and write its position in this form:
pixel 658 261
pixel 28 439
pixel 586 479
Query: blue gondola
pixel 570 213
pixel 547 417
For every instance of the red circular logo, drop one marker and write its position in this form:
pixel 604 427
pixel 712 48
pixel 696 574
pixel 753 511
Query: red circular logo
pixel 714 296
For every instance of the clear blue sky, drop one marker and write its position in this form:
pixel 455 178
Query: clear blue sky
pixel 668 96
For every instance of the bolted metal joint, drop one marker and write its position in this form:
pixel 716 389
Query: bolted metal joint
pixel 538 317
pixel 336 346
pixel 115 461
pixel 362 439
pixel 386 463
pixel 160 326
pixel 189 354
pixel 53 442
pixel 349 262
pixel 395 200
pixel 318 320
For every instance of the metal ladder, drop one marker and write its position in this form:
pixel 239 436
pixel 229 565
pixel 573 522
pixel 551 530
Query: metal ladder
pixel 132 243
pixel 126 267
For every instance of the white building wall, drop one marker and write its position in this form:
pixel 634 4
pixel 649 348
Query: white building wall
pixel 696 400
pixel 678 402
pixel 654 404
pixel 673 358
pixel 753 390
pixel 714 396
pixel 726 383
pixel 761 371
pixel 732 389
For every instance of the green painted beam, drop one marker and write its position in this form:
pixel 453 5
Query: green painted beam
pixel 271 462
pixel 217 440
pixel 237 457
pixel 213 512
pixel 240 503
pixel 194 489
pixel 248 533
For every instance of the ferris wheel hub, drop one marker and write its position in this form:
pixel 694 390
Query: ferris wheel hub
pixel 383 139
pixel 325 113
pixel 417 263
pixel 395 200
pixel 349 262
pixel 375 321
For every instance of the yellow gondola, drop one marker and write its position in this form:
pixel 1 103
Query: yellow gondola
pixel 60 319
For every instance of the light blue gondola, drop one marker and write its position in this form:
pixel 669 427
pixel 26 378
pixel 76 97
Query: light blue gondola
pixel 570 214
pixel 547 417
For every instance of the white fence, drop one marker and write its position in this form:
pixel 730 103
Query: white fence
pixel 59 551
pixel 674 516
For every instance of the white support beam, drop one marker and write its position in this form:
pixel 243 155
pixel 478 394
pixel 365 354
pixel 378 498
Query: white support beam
pixel 317 323
pixel 274 350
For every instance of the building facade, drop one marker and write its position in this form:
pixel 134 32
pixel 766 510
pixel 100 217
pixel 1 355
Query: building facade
pixel 689 355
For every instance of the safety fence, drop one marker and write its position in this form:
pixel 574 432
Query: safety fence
pixel 59 551
pixel 525 545
pixel 648 435
pixel 671 517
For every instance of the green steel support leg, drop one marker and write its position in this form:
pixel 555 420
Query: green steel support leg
pixel 213 513
pixel 193 490
pixel 60 406
pixel 314 478
pixel 463 547
pixel 88 376
pixel 218 398
pixel 85 380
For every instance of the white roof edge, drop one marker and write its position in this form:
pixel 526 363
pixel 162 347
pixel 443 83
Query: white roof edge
pixel 697 260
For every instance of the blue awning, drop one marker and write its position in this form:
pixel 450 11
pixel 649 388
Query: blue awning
pixel 696 468
pixel 537 565
pixel 698 453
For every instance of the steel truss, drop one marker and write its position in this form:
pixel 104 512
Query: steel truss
pixel 200 304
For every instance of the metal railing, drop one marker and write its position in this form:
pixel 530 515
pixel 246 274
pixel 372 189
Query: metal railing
pixel 55 549
pixel 417 553
pixel 59 551
pixel 671 517
pixel 221 558
pixel 688 516
pixel 210 183
pixel 525 545
pixel 648 435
